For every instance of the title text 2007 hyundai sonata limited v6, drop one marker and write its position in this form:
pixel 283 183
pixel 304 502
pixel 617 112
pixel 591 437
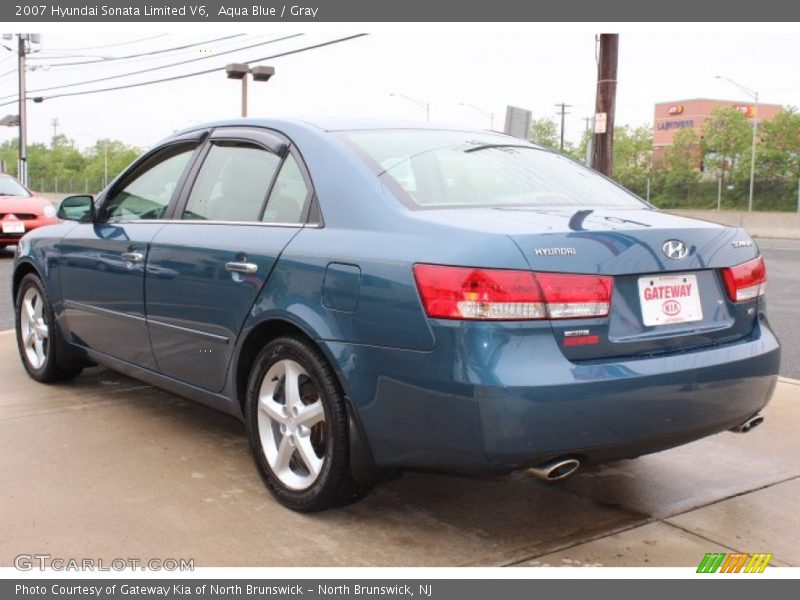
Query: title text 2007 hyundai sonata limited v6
pixel 369 297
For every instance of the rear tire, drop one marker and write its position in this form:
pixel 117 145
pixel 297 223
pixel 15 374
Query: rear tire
pixel 298 427
pixel 38 337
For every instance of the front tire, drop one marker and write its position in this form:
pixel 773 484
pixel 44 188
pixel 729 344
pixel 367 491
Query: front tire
pixel 298 428
pixel 37 333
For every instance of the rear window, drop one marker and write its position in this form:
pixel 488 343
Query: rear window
pixel 437 169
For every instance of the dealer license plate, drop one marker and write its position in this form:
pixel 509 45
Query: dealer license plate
pixel 668 299
pixel 13 227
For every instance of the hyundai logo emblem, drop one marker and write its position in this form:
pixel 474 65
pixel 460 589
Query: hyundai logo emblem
pixel 675 249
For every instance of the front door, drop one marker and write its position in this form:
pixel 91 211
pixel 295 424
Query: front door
pixel 207 266
pixel 102 264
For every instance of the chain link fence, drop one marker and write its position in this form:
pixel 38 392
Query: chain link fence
pixel 768 195
pixel 66 185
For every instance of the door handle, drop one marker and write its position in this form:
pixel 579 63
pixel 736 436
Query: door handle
pixel 133 256
pixel 241 267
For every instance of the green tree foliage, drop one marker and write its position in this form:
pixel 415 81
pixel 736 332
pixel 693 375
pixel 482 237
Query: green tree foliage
pixel 633 153
pixel 680 172
pixel 727 140
pixel 64 165
pixel 778 153
pixel 545 133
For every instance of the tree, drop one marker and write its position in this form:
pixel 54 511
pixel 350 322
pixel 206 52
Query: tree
pixel 726 135
pixel 64 167
pixel 545 133
pixel 633 152
pixel 681 158
pixel 778 153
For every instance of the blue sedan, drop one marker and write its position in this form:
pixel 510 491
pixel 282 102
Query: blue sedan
pixel 369 297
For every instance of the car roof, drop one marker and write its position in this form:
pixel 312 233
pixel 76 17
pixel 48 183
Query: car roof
pixel 332 124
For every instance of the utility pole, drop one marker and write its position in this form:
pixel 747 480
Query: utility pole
pixel 563 112
pixel 603 158
pixel 55 124
pixel 22 168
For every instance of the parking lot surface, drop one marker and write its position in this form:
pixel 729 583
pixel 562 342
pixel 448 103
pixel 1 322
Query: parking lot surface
pixel 107 467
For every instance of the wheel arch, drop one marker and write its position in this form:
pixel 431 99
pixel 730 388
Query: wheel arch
pixel 23 268
pixel 362 464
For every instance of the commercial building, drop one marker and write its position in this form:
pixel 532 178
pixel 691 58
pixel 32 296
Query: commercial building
pixel 671 117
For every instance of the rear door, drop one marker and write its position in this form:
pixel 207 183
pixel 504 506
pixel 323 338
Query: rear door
pixel 102 263
pixel 208 264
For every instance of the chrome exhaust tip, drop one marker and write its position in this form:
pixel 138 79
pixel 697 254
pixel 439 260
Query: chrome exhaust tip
pixel 749 424
pixel 555 470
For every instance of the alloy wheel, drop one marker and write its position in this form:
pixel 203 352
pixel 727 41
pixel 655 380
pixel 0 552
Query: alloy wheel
pixel 291 423
pixel 34 328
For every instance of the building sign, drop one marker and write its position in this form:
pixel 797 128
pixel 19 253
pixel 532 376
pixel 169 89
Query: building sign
pixel 675 109
pixel 674 124
pixel 747 111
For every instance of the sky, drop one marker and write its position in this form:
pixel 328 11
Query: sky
pixel 491 66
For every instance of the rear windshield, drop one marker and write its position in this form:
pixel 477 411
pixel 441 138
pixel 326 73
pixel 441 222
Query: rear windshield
pixel 10 187
pixel 453 168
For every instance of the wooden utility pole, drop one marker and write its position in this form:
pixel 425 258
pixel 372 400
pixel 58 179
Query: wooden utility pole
pixel 603 156
pixel 563 106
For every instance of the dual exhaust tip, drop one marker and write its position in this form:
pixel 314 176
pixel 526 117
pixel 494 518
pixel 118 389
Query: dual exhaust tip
pixel 749 424
pixel 556 469
pixel 561 468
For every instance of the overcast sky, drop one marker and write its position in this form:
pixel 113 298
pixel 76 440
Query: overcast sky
pixel 532 67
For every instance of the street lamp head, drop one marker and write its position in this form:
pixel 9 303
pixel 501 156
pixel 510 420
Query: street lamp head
pixel 236 70
pixel 38 99
pixel 262 73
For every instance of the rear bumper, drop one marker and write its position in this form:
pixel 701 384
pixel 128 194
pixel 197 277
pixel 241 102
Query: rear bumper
pixel 502 396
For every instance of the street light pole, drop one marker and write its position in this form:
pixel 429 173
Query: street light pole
pixel 22 167
pixel 485 113
pixel 241 71
pixel 754 95
pixel 426 106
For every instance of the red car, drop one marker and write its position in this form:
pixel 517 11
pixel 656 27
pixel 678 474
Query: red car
pixel 21 210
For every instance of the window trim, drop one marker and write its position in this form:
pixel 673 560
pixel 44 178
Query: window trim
pixel 219 141
pixel 272 141
pixel 307 201
pixel 143 163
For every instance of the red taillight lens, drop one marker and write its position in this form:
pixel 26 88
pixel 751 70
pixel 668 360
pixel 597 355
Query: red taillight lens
pixel 467 293
pixel 496 294
pixel 747 281
pixel 576 296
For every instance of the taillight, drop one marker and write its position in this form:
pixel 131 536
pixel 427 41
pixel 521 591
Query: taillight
pixel 747 281
pixel 498 294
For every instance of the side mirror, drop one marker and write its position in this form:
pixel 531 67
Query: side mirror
pixel 76 208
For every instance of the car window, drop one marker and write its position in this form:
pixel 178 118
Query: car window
pixel 452 168
pixel 148 194
pixel 232 184
pixel 10 187
pixel 287 202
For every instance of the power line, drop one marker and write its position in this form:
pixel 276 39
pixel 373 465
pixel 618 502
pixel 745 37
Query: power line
pixel 151 53
pixel 150 69
pixel 217 46
pixel 152 37
pixel 198 73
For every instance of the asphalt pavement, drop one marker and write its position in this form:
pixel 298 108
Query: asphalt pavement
pixel 105 467
pixel 783 272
